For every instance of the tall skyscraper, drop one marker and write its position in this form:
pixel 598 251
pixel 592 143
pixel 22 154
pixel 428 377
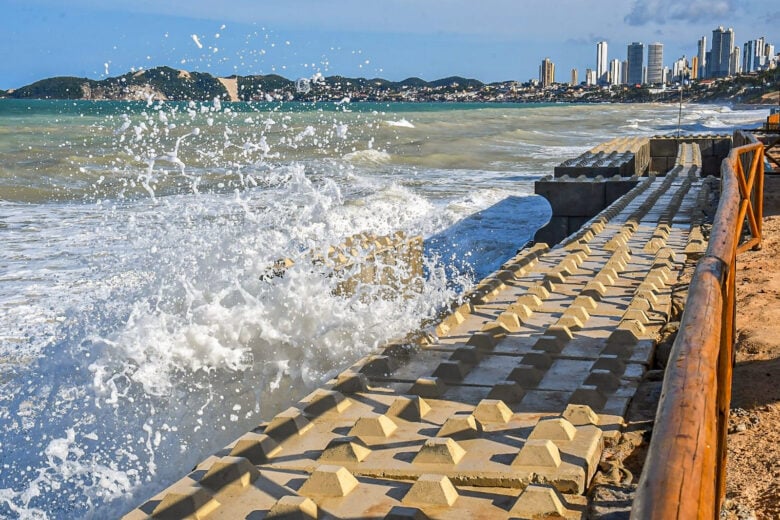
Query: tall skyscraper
pixel 590 77
pixel 574 77
pixel 749 56
pixel 760 54
pixel 695 67
pixel 735 67
pixel 702 55
pixel 615 76
pixel 602 70
pixel 547 73
pixel 636 55
pixel 624 72
pixel 655 63
pixel 722 47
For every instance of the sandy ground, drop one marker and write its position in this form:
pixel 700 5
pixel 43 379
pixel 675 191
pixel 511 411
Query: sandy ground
pixel 231 85
pixel 753 481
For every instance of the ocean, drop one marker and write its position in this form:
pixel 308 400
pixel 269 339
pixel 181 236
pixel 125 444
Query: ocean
pixel 138 331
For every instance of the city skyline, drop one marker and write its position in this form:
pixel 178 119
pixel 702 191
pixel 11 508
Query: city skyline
pixel 494 41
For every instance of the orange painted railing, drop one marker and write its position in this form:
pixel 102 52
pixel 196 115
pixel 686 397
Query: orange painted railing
pixel 685 470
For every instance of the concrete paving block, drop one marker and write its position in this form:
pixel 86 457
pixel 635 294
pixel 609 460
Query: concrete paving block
pixel 575 199
pixel 377 366
pixel 526 375
pixel 413 408
pixel 492 411
pixel 451 370
pixel 256 447
pixel 585 302
pixel 556 429
pixel 432 490
pixel 345 450
pixel 539 501
pixel 329 481
pixel 482 340
pixel 507 391
pixel 589 395
pixel 375 426
pixel 431 387
pixel 532 301
pixel 538 453
pixel 571 322
pixel 230 471
pixel 515 311
pixel 442 450
pixel 612 363
pixel 577 311
pixel 580 415
pixel 636 314
pixel 461 426
pixel 323 401
pixel 186 502
pixel 350 383
pixel 555 277
pixel 287 424
pixel 604 380
pixel 468 354
pixel 594 289
pixel 292 507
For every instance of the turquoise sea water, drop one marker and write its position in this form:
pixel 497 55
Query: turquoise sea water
pixel 136 333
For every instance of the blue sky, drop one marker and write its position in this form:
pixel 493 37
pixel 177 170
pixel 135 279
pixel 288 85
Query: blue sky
pixel 491 40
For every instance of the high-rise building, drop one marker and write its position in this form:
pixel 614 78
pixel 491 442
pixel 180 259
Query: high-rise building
pixel 590 77
pixel 574 77
pixel 547 73
pixel 722 47
pixel 635 58
pixel 702 55
pixel 695 67
pixel 760 54
pixel 681 71
pixel 655 63
pixel 615 75
pixel 602 70
pixel 735 67
pixel 624 72
pixel 749 56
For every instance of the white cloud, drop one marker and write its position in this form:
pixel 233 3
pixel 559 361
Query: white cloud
pixel 645 12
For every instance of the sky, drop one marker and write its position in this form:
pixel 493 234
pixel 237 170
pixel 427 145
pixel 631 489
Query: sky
pixel 490 40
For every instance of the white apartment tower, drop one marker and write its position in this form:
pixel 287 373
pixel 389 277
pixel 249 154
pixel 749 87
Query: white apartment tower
pixel 655 63
pixel 602 70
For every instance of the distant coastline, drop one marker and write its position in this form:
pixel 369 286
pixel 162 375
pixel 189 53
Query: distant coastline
pixel 169 84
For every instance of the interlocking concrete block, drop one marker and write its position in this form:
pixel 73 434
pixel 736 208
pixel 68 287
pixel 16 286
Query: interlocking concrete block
pixel 612 363
pixel 515 315
pixel 492 411
pixel 532 301
pixel 556 429
pixel 378 366
pixel 539 501
pixel 483 340
pixel 329 481
pixel 580 415
pixel 431 387
pixel 432 490
pixel 409 408
pixel 571 322
pixel 628 332
pixel 286 424
pixel 443 450
pixel 538 453
pixel 186 502
pixel 507 391
pixel 256 447
pixel 469 354
pixel 230 471
pixel 604 380
pixel 589 395
pixel 345 450
pixel 595 289
pixel 322 401
pixel 291 507
pixel 451 370
pixel 573 199
pixel 585 302
pixel 636 314
pixel 461 426
pixel 527 375
pixel 377 426
pixel 578 312
pixel 350 383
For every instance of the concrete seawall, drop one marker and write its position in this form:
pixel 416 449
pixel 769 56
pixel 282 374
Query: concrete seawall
pixel 503 407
